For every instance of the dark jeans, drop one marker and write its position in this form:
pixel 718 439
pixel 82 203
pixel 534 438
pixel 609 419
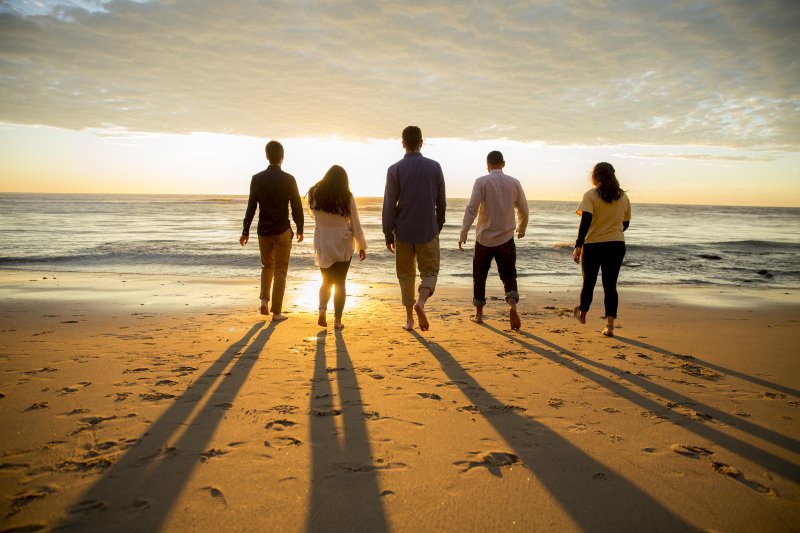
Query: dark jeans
pixel 335 275
pixel 505 255
pixel 605 256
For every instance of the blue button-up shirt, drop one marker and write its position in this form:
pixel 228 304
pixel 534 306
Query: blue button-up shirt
pixel 414 201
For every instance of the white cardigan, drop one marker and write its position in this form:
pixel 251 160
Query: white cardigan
pixel 336 238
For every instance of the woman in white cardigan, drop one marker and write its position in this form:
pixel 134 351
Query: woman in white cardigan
pixel 337 235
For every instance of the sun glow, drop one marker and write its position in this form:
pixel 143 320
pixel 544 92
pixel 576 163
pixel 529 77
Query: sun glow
pixel 305 297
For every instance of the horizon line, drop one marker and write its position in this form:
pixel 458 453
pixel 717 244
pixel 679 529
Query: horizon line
pixel 367 197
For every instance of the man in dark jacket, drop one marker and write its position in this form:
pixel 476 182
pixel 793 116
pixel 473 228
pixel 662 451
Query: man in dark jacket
pixel 273 190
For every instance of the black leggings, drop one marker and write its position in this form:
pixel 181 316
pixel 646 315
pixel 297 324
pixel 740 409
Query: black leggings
pixel 608 257
pixel 335 275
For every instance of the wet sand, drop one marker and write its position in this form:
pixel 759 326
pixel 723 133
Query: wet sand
pixel 150 403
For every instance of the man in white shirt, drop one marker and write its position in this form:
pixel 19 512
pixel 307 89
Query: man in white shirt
pixel 493 200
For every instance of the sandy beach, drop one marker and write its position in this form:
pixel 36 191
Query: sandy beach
pixel 144 403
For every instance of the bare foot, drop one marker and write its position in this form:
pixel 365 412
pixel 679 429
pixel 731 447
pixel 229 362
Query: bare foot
pixel 423 320
pixel 478 319
pixel 263 309
pixel 409 325
pixel 580 315
pixel 322 321
pixel 279 318
pixel 337 324
pixel 608 331
pixel 513 317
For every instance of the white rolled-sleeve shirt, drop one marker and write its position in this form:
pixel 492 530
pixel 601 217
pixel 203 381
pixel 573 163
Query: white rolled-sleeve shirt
pixel 494 198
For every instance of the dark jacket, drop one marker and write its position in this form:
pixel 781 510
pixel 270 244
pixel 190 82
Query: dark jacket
pixel 273 190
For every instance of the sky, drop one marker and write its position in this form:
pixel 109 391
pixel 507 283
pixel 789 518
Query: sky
pixel 692 101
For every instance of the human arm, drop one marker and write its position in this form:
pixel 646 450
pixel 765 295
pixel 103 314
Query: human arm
pixel 522 211
pixel 358 231
pixel 470 212
pixel 389 213
pixel 249 213
pixel 583 229
pixel 297 208
pixel 626 218
pixel 441 199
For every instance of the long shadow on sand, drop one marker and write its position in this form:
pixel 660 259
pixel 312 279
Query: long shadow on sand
pixel 139 490
pixel 594 496
pixel 580 364
pixel 344 482
pixel 712 366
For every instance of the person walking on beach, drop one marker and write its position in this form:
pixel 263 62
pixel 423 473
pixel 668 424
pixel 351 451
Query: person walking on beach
pixel 413 215
pixel 337 234
pixel 605 213
pixel 273 190
pixel 494 198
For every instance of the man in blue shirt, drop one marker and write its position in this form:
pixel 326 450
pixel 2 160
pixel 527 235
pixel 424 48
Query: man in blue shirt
pixel 413 215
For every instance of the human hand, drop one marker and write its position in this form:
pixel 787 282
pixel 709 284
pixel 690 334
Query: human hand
pixel 390 246
pixel 362 254
pixel 299 237
pixel 576 254
pixel 243 239
pixel 459 245
pixel 520 234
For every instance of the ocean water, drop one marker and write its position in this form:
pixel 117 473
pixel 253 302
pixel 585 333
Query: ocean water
pixel 198 236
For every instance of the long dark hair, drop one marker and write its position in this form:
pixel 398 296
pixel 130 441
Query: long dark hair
pixel 604 177
pixel 332 192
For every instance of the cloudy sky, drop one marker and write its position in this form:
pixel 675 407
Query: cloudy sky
pixel 692 101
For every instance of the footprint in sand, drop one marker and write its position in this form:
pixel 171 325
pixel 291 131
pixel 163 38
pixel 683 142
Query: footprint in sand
pixel 167 451
pixel 24 498
pixel 555 403
pixel 74 388
pixel 156 396
pixel 326 412
pixel 216 494
pixel 492 461
pixel 691 451
pixel 37 406
pixel 87 506
pixel 184 370
pixel 285 441
pixel 429 395
pixel 213 452
pixel 733 472
pixel 279 425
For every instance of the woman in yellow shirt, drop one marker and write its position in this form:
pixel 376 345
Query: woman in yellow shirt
pixel 605 213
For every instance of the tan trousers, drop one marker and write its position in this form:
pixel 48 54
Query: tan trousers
pixel 408 257
pixel 274 250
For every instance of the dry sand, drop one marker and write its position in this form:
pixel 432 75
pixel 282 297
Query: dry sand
pixel 143 403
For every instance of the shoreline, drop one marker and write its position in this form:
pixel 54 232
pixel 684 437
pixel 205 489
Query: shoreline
pixel 27 283
pixel 168 401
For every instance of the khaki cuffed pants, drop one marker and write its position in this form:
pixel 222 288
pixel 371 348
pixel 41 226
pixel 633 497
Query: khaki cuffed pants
pixel 274 250
pixel 408 257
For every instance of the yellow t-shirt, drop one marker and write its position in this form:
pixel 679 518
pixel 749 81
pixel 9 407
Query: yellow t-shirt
pixel 607 217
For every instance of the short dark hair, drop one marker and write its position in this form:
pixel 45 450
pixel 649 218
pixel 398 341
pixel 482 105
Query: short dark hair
pixel 412 137
pixel 274 151
pixel 494 158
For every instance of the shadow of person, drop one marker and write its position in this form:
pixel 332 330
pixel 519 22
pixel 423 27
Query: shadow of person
pixel 694 360
pixel 594 496
pixel 573 361
pixel 150 476
pixel 344 483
